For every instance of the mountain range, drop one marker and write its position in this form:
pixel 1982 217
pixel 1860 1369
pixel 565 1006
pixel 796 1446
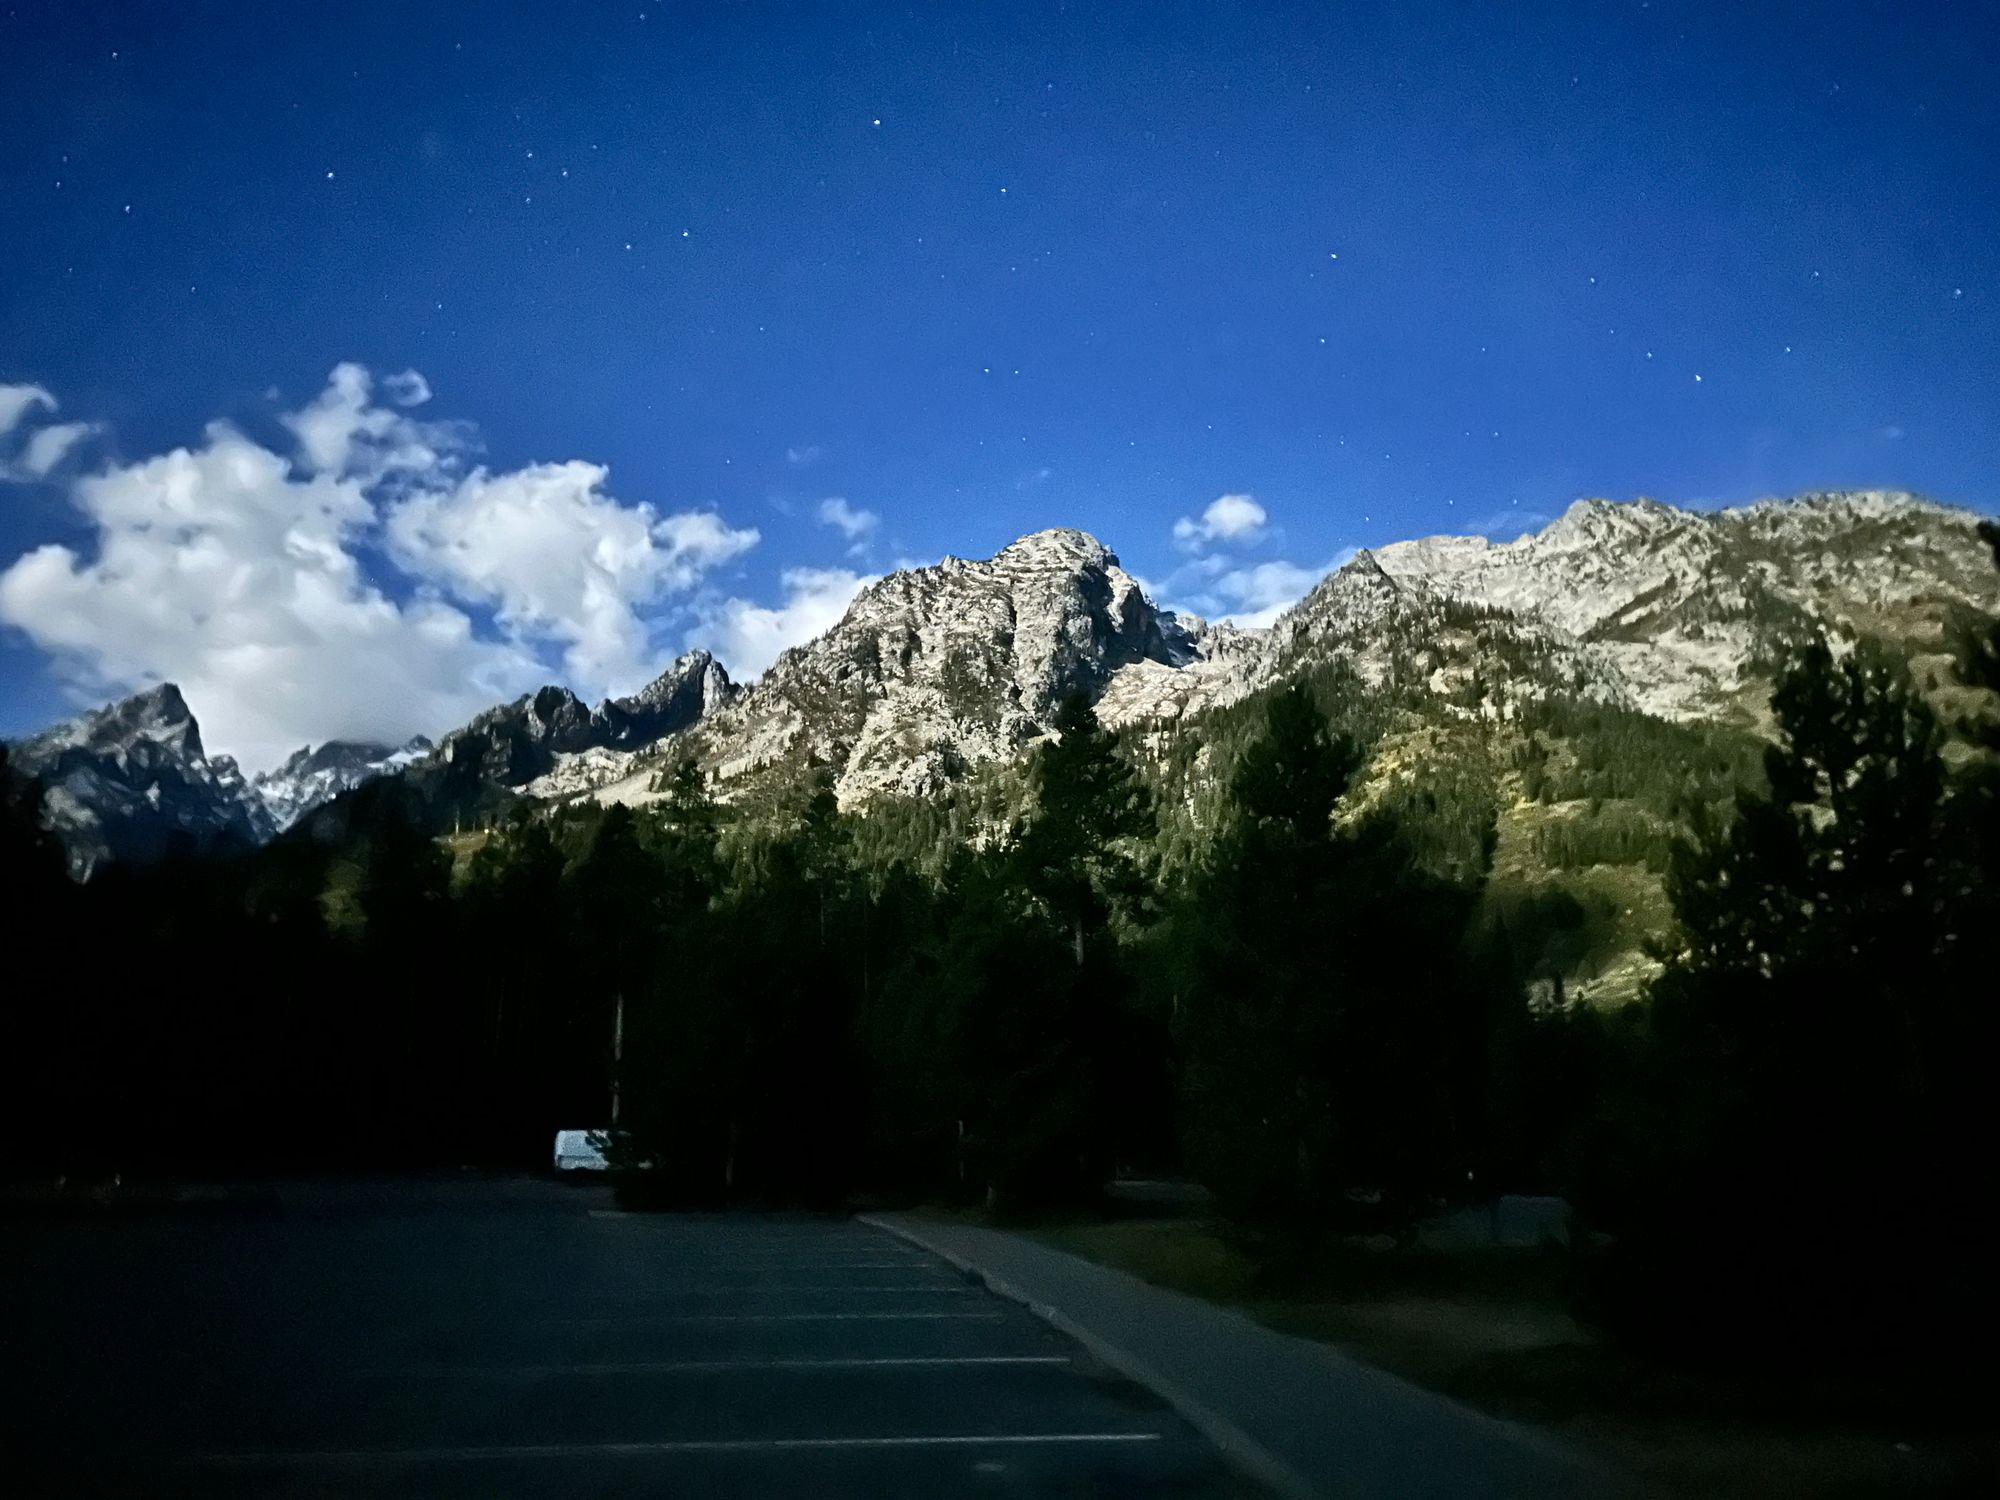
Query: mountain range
pixel 1680 616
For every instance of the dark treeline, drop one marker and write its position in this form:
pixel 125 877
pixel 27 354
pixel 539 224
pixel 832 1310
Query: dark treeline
pixel 806 1002
pixel 1301 991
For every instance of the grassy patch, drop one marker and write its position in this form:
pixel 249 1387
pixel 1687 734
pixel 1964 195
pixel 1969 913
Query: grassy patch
pixel 1493 1328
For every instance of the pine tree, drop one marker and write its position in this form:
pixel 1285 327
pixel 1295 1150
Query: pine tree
pixel 1810 1036
pixel 1089 805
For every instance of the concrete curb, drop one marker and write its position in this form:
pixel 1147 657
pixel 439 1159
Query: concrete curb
pixel 1243 1452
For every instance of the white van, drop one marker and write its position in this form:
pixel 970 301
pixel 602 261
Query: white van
pixel 581 1151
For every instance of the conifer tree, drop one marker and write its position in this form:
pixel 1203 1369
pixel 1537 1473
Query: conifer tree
pixel 1089 804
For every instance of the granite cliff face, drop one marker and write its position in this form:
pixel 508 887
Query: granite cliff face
pixel 936 670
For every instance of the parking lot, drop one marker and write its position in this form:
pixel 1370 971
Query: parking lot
pixel 513 1337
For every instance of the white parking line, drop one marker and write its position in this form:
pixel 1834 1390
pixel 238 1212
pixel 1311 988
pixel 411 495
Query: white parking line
pixel 783 1289
pixel 804 1317
pixel 660 1449
pixel 710 1366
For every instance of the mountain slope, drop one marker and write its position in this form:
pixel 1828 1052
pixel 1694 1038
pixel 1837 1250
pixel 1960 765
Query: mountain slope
pixel 131 781
pixel 312 775
pixel 937 669
pixel 1682 615
pixel 1639 610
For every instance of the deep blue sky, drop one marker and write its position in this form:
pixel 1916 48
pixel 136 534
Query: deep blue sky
pixel 1390 269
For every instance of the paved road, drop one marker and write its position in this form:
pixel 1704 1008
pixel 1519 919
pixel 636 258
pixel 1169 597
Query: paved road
pixel 519 1338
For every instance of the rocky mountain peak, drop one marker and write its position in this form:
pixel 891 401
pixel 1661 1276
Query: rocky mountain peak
pixel 1060 547
pixel 936 669
pixel 1600 523
pixel 313 775
pixel 131 779
pixel 158 718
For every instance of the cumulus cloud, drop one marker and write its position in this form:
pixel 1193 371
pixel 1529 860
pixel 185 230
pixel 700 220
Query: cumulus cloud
pixel 39 452
pixel 1231 520
pixel 748 636
pixel 256 579
pixel 559 558
pixel 16 401
pixel 49 446
pixel 1258 595
pixel 852 522
pixel 1213 583
pixel 1252 597
pixel 343 432
pixel 408 388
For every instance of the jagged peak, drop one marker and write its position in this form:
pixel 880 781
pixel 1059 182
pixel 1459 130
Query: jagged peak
pixel 1363 570
pixel 1059 546
pixel 1593 520
pixel 688 665
pixel 161 702
pixel 1864 502
pixel 159 714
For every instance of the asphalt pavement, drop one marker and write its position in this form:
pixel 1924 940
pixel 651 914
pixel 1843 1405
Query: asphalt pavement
pixel 514 1337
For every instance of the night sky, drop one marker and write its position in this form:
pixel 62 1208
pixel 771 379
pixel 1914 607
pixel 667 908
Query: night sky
pixel 828 288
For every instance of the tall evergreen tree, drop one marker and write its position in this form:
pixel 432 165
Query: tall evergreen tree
pixel 1089 804
pixel 1810 1037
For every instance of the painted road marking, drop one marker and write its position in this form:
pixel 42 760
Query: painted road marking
pixel 659 1449
pixel 712 1366
pixel 804 1317
pixel 783 1289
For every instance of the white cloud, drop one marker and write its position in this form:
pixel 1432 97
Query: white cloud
pixel 238 572
pixel 1258 595
pixel 408 388
pixel 558 558
pixel 221 568
pixel 49 446
pixel 16 401
pixel 810 453
pixel 40 451
pixel 1229 520
pixel 855 524
pixel 342 431
pixel 748 636
pixel 1252 597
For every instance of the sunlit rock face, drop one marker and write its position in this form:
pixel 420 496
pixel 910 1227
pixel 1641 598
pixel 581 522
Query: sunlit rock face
pixel 937 670
pixel 1678 613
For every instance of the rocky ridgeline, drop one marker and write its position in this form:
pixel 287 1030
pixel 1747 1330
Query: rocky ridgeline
pixel 939 669
pixel 132 782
